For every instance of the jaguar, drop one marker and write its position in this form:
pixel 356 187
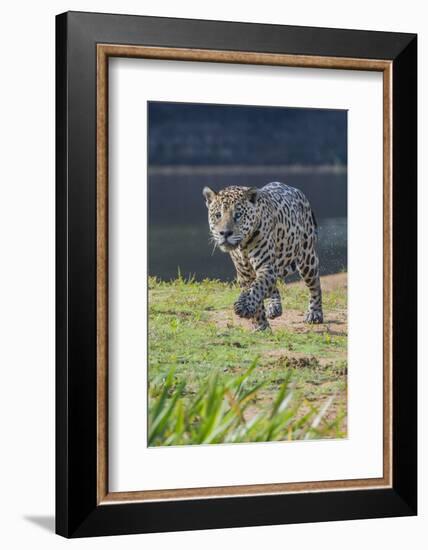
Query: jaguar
pixel 269 234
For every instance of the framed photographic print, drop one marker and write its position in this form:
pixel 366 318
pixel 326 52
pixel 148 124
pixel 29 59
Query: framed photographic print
pixel 236 274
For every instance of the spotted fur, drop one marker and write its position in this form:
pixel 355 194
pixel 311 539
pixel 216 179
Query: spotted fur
pixel 269 233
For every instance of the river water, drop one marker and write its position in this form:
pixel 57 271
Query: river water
pixel 178 236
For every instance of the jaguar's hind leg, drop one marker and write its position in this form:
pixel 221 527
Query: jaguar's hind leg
pixel 274 305
pixel 309 271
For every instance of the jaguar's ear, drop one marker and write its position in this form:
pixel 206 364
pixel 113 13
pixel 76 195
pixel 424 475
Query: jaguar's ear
pixel 209 195
pixel 252 194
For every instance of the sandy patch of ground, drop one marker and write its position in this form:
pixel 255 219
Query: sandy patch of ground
pixel 331 282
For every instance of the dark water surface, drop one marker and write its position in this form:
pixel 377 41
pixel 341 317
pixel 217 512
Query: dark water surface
pixel 178 225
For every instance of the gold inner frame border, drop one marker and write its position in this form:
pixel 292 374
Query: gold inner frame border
pixel 104 52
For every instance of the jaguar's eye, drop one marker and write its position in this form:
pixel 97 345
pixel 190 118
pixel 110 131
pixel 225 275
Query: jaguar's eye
pixel 237 216
pixel 218 215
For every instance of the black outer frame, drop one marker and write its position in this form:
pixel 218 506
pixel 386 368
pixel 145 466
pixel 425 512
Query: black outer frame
pixel 77 513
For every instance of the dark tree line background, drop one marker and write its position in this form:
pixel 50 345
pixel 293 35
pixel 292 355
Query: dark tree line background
pixel 182 134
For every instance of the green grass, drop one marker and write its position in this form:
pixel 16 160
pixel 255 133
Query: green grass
pixel 194 333
pixel 216 414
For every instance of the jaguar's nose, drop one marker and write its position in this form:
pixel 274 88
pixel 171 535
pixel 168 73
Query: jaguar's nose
pixel 226 234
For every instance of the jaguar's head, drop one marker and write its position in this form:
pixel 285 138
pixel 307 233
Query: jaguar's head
pixel 232 215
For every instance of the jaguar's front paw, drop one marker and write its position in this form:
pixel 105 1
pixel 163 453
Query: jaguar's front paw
pixel 314 317
pixel 273 310
pixel 245 306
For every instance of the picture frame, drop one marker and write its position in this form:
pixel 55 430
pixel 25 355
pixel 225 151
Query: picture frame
pixel 84 44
